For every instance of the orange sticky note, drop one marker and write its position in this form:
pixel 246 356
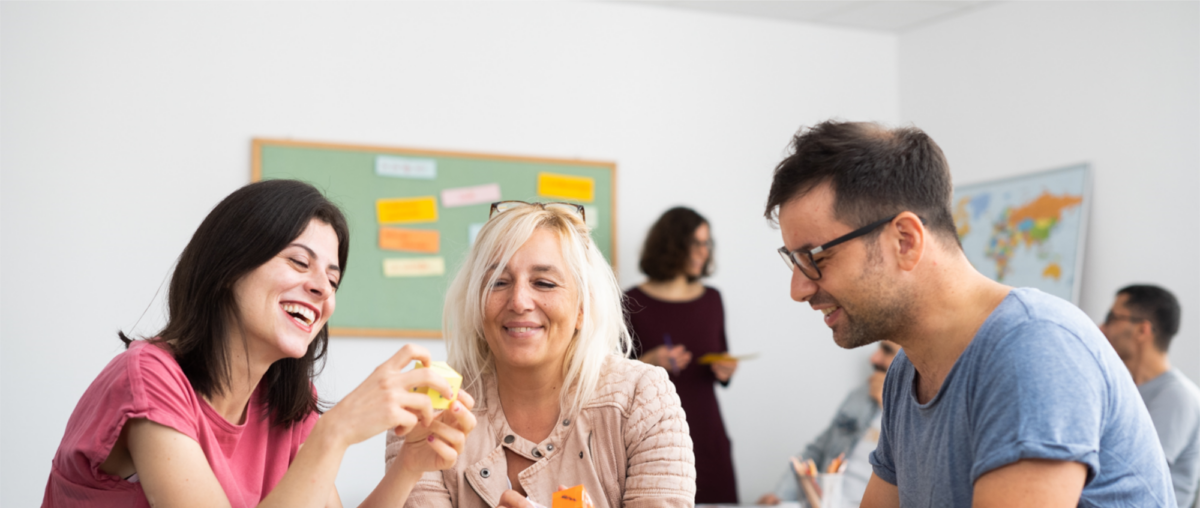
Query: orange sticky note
pixel 403 210
pixel 409 240
pixel 574 497
pixel 576 188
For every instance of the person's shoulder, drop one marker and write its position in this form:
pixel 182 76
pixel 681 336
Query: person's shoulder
pixel 858 394
pixel 624 382
pixel 1025 305
pixel 140 358
pixel 1028 321
pixel 147 356
pixel 1179 392
pixel 154 373
pixel 635 299
pixel 858 403
pixel 711 293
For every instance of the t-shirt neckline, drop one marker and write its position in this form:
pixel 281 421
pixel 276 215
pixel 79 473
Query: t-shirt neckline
pixel 986 326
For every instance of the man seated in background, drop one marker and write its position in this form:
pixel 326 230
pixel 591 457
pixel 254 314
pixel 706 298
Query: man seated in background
pixel 1140 327
pixel 853 432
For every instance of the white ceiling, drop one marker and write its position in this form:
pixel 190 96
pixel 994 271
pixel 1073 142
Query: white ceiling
pixel 889 15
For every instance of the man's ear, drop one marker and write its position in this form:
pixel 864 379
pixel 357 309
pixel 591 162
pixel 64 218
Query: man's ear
pixel 911 239
pixel 1145 331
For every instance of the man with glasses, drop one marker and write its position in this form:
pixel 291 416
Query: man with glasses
pixel 1140 326
pixel 1001 396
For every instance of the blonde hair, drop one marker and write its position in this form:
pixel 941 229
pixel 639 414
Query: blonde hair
pixel 601 333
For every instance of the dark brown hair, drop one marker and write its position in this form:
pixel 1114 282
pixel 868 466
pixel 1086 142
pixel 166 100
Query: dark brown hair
pixel 1156 305
pixel 875 173
pixel 669 244
pixel 244 231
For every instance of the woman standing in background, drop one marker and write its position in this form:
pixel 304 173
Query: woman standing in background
pixel 673 317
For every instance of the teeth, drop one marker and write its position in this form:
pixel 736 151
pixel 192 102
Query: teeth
pixel 829 310
pixel 305 313
pixel 521 329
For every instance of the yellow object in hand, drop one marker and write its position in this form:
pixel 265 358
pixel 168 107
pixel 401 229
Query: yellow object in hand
pixel 712 358
pixel 574 497
pixel 452 377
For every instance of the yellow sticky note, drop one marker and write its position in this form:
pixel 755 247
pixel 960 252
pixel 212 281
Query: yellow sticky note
pixel 577 188
pixel 404 210
pixel 414 267
pixel 455 379
pixel 712 358
pixel 410 240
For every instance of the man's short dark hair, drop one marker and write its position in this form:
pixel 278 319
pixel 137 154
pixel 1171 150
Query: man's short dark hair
pixel 1156 305
pixel 875 173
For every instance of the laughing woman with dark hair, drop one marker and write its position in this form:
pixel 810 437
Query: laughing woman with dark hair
pixel 214 410
pixel 676 319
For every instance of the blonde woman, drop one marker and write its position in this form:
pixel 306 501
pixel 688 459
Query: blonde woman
pixel 533 321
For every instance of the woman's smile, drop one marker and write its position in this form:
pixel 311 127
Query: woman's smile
pixel 523 329
pixel 532 310
pixel 301 314
pixel 284 302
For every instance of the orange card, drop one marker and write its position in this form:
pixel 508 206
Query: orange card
pixel 574 497
pixel 409 240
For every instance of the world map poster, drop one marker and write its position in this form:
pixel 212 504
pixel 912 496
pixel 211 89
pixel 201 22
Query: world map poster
pixel 1027 231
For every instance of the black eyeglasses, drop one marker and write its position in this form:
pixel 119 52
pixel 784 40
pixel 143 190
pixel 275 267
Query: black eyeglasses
pixel 1113 318
pixel 504 206
pixel 803 258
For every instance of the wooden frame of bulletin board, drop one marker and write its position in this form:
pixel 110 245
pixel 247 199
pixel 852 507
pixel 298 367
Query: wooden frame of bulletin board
pixel 413 215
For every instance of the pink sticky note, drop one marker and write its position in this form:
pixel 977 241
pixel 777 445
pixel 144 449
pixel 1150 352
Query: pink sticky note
pixel 462 196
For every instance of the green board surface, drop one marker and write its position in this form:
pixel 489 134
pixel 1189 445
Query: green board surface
pixel 372 304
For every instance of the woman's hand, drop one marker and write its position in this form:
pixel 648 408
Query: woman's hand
pixel 724 369
pixel 674 359
pixel 513 499
pixel 436 446
pixel 768 499
pixel 385 400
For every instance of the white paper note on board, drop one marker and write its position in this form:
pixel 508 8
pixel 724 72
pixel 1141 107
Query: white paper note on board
pixel 591 216
pixel 414 267
pixel 473 232
pixel 405 167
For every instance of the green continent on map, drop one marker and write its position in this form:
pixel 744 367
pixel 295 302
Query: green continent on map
pixel 1030 225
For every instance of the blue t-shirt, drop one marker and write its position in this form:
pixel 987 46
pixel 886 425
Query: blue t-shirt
pixel 1038 381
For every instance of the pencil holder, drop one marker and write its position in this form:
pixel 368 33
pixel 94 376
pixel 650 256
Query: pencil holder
pixel 824 491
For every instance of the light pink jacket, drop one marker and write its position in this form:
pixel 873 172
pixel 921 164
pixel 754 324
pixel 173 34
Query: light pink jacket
pixel 629 447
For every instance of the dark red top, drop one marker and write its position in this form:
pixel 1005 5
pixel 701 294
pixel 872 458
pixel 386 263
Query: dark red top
pixel 698 325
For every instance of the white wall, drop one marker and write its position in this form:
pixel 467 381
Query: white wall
pixel 1024 86
pixel 124 123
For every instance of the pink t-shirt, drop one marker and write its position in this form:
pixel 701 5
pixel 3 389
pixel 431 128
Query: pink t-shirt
pixel 146 382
